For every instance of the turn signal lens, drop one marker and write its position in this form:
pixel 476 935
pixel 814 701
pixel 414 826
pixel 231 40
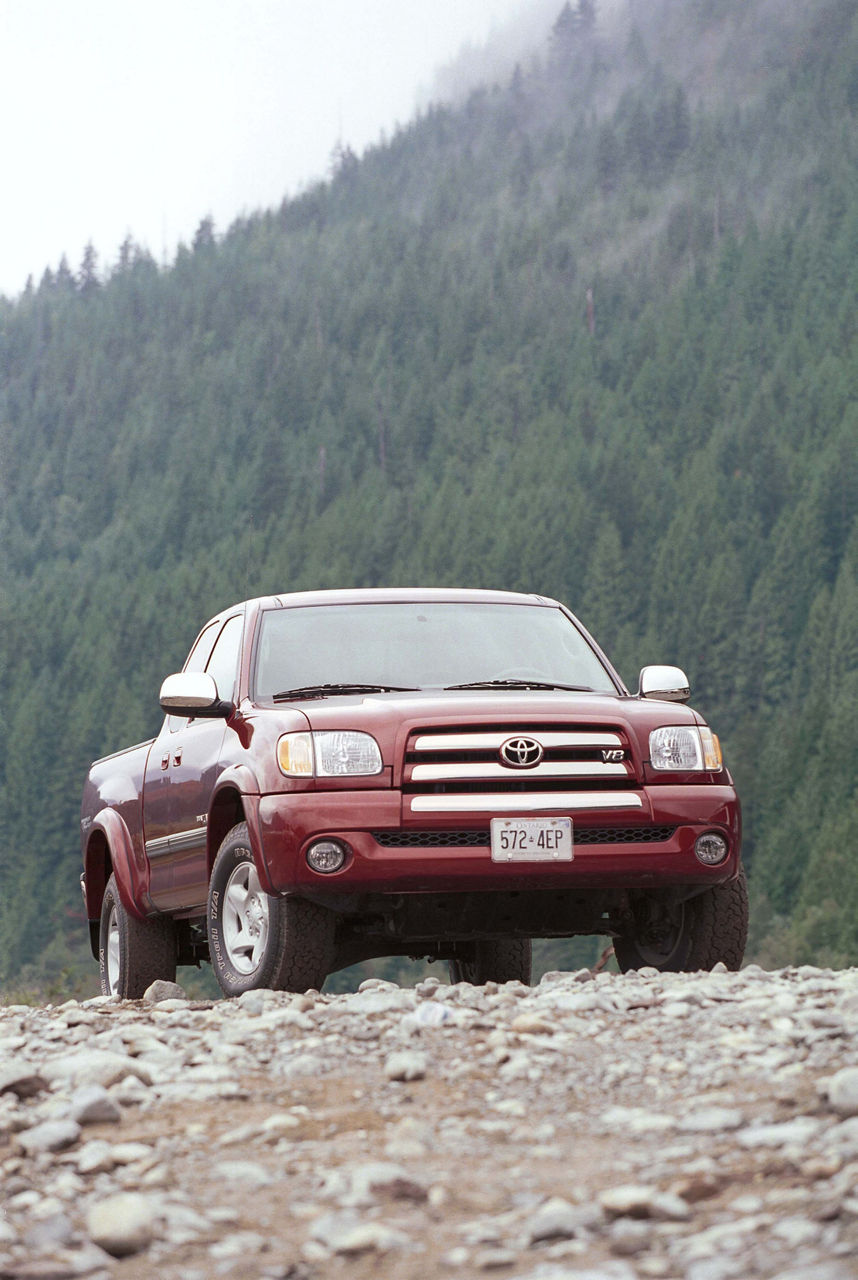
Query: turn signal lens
pixel 295 755
pixel 712 758
pixel 328 755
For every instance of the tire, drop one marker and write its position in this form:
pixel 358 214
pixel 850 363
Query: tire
pixel 132 953
pixel 256 940
pixel 507 960
pixel 701 932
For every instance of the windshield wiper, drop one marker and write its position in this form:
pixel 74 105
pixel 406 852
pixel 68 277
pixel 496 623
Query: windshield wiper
pixel 521 684
pixel 328 690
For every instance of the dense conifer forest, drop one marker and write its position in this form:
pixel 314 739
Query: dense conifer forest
pixel 592 332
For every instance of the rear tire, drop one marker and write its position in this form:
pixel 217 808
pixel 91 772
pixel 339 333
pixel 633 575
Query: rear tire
pixel 256 940
pixel 132 953
pixel 505 960
pixel 697 935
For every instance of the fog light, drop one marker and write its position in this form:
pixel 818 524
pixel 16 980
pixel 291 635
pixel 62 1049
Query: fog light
pixel 326 856
pixel 710 849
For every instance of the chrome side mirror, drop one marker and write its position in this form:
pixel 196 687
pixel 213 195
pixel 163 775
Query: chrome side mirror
pixel 668 684
pixel 192 693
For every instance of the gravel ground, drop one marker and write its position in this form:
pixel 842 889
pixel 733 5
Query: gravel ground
pixel 697 1126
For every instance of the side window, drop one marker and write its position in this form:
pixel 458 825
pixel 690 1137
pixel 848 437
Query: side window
pixel 223 664
pixel 197 660
pixel 202 650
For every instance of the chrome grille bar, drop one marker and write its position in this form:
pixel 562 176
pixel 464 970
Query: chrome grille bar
pixel 550 739
pixel 522 802
pixel 548 769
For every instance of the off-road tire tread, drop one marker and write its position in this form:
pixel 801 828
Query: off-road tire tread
pixel 307 950
pixel 501 960
pixel 716 922
pixel 149 947
pixel 720 928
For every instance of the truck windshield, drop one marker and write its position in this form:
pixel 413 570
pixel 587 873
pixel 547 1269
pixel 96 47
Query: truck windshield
pixel 422 645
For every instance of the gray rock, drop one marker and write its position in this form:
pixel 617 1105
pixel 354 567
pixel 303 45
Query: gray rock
pixel 557 1219
pixel 798 1131
pixel 161 990
pixel 823 1270
pixel 386 999
pixel 54 1230
pixel 843 1091
pixel 95 1066
pixel 711 1120
pixel 52 1135
pixel 493 1259
pixel 238 1245
pixel 95 1157
pixel 349 1234
pixel 94 1105
pixel 628 1237
pixel 122 1224
pixel 613 1270
pixel 380 1179
pixel 406 1065
pixel 22 1080
pixel 629 1201
pixel 243 1173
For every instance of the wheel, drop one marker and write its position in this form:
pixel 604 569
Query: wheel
pixel 696 934
pixel 503 961
pixel 256 940
pixel 132 953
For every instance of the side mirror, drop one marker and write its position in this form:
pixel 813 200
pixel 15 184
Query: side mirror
pixel 668 684
pixel 192 693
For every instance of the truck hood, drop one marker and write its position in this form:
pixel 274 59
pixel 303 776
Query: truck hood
pixel 390 717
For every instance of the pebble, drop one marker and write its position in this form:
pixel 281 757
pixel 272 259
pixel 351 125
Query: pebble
pixel 122 1224
pixel 406 1065
pixel 843 1091
pixel 53 1135
pixel 349 1234
pixel 94 1105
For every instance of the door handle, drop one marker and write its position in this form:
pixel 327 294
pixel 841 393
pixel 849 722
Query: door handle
pixel 165 761
pixel 177 756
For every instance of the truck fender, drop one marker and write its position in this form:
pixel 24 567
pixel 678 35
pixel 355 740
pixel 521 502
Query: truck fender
pixel 242 780
pixel 131 883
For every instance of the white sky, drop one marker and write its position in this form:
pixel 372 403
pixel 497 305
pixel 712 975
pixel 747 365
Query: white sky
pixel 123 117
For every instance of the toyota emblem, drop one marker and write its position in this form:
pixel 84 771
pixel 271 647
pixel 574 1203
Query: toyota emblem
pixel 521 753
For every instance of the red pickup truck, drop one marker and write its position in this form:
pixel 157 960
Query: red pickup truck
pixel 342 775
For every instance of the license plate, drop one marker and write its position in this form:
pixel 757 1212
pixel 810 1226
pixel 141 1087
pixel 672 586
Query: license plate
pixel 531 839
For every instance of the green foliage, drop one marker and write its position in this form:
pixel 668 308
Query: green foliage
pixel 393 379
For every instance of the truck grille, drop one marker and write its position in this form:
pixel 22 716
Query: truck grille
pixel 542 766
pixel 482 839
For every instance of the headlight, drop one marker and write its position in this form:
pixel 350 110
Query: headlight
pixel 328 755
pixel 684 747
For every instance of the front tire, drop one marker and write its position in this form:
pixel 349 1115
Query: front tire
pixel 695 935
pixel 504 960
pixel 256 940
pixel 132 953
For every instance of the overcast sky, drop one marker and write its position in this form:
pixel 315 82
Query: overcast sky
pixel 119 117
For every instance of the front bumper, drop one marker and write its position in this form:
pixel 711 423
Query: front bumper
pixel 283 826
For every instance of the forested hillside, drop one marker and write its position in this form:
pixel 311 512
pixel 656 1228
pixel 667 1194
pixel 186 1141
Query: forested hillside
pixel 592 333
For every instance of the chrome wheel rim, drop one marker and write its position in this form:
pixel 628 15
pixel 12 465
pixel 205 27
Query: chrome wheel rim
pixel 113 952
pixel 245 919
